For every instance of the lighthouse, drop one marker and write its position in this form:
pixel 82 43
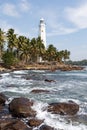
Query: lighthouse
pixel 42 31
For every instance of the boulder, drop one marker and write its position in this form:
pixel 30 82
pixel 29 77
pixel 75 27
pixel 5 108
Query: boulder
pixel 49 80
pixel 13 124
pixel 46 127
pixel 39 91
pixel 21 107
pixel 71 67
pixel 64 108
pixel 3 99
pixel 34 122
pixel 1 108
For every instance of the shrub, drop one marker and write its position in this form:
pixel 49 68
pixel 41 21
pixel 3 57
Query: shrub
pixel 8 59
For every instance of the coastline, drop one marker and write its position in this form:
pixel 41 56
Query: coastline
pixel 38 66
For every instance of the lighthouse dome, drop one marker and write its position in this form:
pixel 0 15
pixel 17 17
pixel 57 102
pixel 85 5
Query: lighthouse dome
pixel 41 20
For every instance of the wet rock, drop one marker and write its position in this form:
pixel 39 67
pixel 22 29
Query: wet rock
pixel 71 67
pixel 34 122
pixel 69 108
pixel 0 76
pixel 13 124
pixel 3 99
pixel 39 91
pixel 21 107
pixel 1 108
pixel 4 112
pixel 46 127
pixel 48 80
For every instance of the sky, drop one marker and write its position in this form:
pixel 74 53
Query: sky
pixel 66 22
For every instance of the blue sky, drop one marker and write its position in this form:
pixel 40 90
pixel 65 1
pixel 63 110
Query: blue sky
pixel 66 22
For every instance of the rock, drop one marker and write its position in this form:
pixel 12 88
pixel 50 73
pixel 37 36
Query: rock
pixel 34 122
pixel 69 108
pixel 71 67
pixel 46 127
pixel 39 91
pixel 0 76
pixel 3 99
pixel 47 80
pixel 4 112
pixel 21 107
pixel 13 124
pixel 1 108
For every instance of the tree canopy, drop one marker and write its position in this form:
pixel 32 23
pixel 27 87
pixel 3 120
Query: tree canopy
pixel 28 50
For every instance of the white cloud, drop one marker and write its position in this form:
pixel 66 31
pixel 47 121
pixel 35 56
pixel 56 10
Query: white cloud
pixel 77 15
pixel 62 31
pixel 4 25
pixel 15 10
pixel 10 10
pixel 24 5
pixel 53 20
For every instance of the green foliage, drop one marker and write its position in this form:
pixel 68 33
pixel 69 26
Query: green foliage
pixel 9 59
pixel 25 50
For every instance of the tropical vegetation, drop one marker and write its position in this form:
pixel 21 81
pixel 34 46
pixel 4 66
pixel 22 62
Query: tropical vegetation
pixel 21 49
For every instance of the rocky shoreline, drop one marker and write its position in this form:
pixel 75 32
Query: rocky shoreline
pixel 18 114
pixel 51 67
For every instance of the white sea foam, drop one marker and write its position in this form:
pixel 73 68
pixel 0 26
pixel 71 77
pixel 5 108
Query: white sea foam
pixel 20 72
pixel 4 74
pixel 77 74
pixel 55 120
pixel 66 88
pixel 42 71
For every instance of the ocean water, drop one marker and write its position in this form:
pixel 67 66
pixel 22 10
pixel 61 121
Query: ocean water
pixel 68 85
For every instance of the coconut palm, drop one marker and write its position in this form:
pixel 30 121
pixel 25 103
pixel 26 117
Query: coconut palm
pixel 51 53
pixel 66 55
pixel 40 48
pixel 25 51
pixel 2 41
pixel 34 49
pixel 12 39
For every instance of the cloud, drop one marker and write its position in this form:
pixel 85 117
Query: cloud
pixel 10 10
pixel 62 31
pixel 4 25
pixel 68 21
pixel 56 25
pixel 77 15
pixel 24 6
pixel 15 10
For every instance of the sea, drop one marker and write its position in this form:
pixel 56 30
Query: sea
pixel 67 86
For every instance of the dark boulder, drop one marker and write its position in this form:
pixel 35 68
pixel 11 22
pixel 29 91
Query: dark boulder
pixel 69 108
pixel 39 91
pixel 49 80
pixel 46 127
pixel 3 99
pixel 21 107
pixel 13 124
pixel 34 122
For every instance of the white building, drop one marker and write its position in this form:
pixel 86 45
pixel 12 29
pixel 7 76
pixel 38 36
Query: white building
pixel 42 31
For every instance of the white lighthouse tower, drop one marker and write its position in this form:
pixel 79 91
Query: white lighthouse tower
pixel 42 31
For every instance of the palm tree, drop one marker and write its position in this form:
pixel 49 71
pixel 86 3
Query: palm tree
pixel 66 55
pixel 40 47
pixel 33 49
pixel 25 51
pixel 19 45
pixel 59 56
pixel 2 41
pixel 51 53
pixel 12 39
